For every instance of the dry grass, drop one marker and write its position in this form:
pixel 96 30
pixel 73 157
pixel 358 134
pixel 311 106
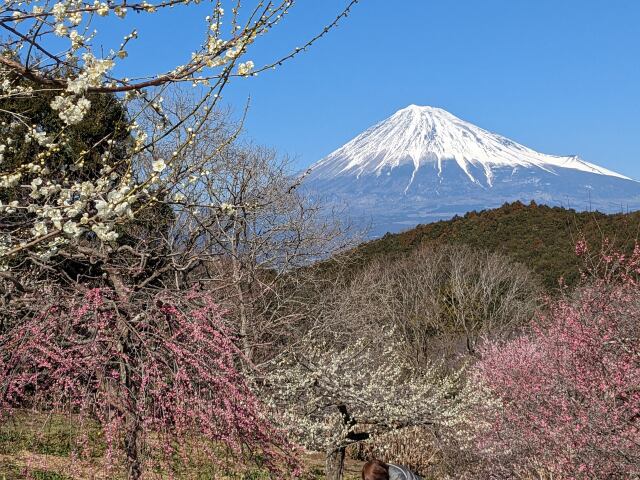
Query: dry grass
pixel 42 445
pixel 52 467
pixel 414 447
pixel 314 463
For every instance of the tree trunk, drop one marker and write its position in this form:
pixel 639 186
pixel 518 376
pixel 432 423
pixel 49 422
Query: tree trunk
pixel 242 306
pixel 244 323
pixel 132 449
pixel 129 387
pixel 335 463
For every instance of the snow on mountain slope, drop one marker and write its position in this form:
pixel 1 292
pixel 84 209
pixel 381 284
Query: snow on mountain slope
pixel 424 164
pixel 428 135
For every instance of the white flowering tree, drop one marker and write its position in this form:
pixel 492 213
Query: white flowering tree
pixel 125 207
pixel 53 48
pixel 330 393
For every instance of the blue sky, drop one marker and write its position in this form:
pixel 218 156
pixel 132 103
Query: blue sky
pixel 560 76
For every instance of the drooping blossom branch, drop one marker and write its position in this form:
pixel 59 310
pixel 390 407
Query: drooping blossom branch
pixel 160 383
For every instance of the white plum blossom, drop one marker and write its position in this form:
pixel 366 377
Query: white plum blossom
pixel 158 166
pixel 72 229
pixel 120 11
pixel 329 395
pixel 91 76
pixel 227 208
pixel 104 232
pixel 40 229
pixel 102 9
pixel 59 10
pixel 61 30
pixel 245 68
pixel 76 39
pixel 70 109
pixel 75 18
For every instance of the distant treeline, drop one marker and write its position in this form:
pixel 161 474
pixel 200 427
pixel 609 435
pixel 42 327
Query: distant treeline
pixel 540 237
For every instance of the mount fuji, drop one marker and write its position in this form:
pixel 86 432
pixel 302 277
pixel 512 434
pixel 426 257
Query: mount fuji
pixel 424 164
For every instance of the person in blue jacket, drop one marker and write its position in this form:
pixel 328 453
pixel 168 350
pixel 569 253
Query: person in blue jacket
pixel 377 470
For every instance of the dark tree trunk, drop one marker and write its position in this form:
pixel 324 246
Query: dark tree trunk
pixel 335 464
pixel 132 449
pixel 130 387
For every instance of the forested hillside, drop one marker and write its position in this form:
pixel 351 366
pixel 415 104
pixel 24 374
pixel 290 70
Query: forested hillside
pixel 541 237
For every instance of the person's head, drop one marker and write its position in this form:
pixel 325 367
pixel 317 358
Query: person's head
pixel 375 470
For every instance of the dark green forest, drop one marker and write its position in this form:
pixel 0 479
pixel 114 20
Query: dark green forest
pixel 540 237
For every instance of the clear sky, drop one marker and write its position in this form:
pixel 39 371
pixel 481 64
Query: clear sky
pixel 560 76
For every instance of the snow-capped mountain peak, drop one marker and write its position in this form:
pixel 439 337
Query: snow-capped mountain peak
pixel 422 135
pixel 424 164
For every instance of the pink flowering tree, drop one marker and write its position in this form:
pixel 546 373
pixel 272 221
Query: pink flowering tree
pixel 158 376
pixel 567 394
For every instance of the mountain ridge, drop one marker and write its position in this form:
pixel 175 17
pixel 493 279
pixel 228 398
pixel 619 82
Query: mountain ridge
pixel 424 164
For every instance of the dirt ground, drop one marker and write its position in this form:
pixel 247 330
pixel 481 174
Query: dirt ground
pixel 315 461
